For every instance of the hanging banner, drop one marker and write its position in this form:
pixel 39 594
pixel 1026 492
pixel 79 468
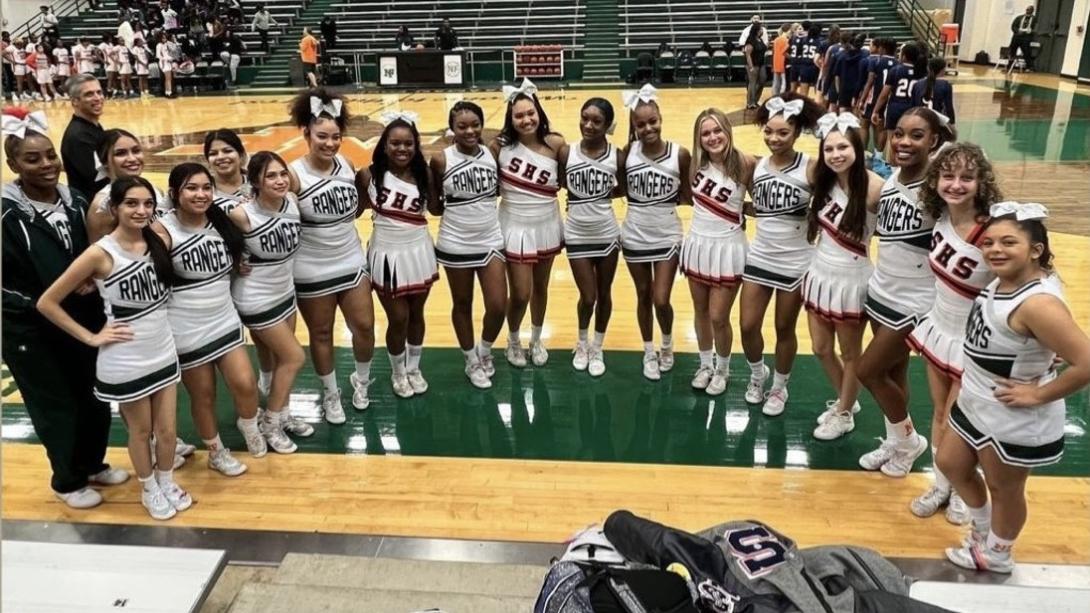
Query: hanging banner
pixel 452 69
pixel 387 70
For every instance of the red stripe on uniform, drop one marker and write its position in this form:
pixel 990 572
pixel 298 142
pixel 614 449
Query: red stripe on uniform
pixel 947 369
pixel 410 218
pixel 532 258
pixel 842 240
pixel 714 208
pixel 960 287
pixel 544 190
pixel 406 290
pixel 730 281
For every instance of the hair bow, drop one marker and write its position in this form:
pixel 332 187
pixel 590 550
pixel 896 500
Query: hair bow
pixel 943 119
pixel 777 106
pixel 832 121
pixel 331 108
pixel 16 126
pixel 526 88
pixel 1021 211
pixel 101 172
pixel 389 117
pixel 646 94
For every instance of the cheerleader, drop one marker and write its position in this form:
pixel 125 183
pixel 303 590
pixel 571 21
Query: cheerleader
pixel 137 365
pixel 651 232
pixel 39 58
pixel 400 252
pixel 63 62
pixel 84 55
pixel 43 234
pixel 713 255
pixel 107 52
pixel 265 298
pixel 901 290
pixel 140 59
pixel 20 70
pixel 588 171
pixel 780 253
pixel 470 243
pixel 226 157
pixel 119 155
pixel 1009 415
pixel 528 152
pixel 204 248
pixel 835 286
pixel 958 190
pixel 164 55
pixel 330 268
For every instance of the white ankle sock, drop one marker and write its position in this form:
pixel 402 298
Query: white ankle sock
pixel 363 371
pixel 213 444
pixel 329 382
pixel 779 380
pixel 471 356
pixel 484 347
pixel 901 431
pixel 982 517
pixel 397 362
pixel 706 359
pixel 412 362
pixel 756 369
pixel 599 339
pixel 149 483
pixel 649 348
pixel 998 545
pixel 247 425
pixel 535 334
pixel 722 363
pixel 940 479
pixel 264 378
pixel 582 335
pixel 514 337
pixel 164 477
pixel 667 341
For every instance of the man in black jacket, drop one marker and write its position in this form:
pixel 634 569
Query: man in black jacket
pixel 83 134
pixel 1022 29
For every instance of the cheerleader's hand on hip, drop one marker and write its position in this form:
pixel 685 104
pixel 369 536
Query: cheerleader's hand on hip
pixel 1017 394
pixel 111 333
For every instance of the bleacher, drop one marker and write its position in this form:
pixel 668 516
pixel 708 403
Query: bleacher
pixel 480 24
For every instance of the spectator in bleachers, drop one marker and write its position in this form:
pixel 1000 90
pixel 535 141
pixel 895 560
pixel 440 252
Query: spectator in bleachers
pixel 308 55
pixel 404 39
pixel 217 35
pixel 754 22
pixel 263 21
pixel 125 33
pixel 754 50
pixel 170 18
pixel 48 21
pixel 779 60
pixel 446 37
pixel 329 31
pixel 232 55
pixel 154 19
pixel 234 10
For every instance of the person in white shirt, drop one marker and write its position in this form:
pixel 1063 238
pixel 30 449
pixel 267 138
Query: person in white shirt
pixel 108 57
pixel 170 18
pixel 263 21
pixel 140 60
pixel 48 21
pixel 83 54
pixel 164 52
pixel 62 61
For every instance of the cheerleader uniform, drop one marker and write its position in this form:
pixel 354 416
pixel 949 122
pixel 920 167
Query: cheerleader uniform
pixel 835 286
pixel 714 251
pixel 902 288
pixel 134 295
pixel 960 274
pixel 266 296
pixel 400 253
pixel 651 231
pixel 18 57
pixel 140 57
pixel 469 231
pixel 590 229
pixel 124 62
pixel 228 201
pixel 64 62
pixel 1028 437
pixel 109 59
pixel 529 212
pixel 779 255
pixel 330 258
pixel 202 317
pixel 42 68
pixel 85 58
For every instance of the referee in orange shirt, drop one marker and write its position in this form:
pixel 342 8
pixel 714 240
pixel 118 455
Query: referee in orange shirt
pixel 308 54
pixel 779 61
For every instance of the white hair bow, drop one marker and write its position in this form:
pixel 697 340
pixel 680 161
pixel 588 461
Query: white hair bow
pixel 389 117
pixel 777 106
pixel 1021 211
pixel 101 173
pixel 331 108
pixel 526 88
pixel 832 121
pixel 646 94
pixel 943 119
pixel 35 122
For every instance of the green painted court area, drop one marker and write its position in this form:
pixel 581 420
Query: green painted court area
pixel 557 413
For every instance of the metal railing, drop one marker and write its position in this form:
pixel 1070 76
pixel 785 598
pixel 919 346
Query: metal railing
pixel 62 8
pixel 923 28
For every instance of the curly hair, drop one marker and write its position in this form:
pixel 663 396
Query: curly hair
pixel 953 157
pixel 300 113
pixel 806 120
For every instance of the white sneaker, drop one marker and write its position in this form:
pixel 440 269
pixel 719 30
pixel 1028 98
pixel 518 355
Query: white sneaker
pixel 832 407
pixel 109 476
pixel 516 355
pixel 775 402
pixel 295 426
pixel 360 401
pixel 179 498
pixel 488 365
pixel 179 457
pixel 651 367
pixel 183 448
pixel 417 381
pixel 666 359
pixel 755 389
pixel 332 408
pixel 873 460
pixel 703 377
pixel 179 461
pixel 83 498
pixel 957 512
pixel 155 501
pixel 596 364
pixel 929 502
pixel 718 384
pixel 401 386
pixel 277 439
pixel 538 355
pixel 581 359
pixel 477 377
pixel 977 556
pixel 835 427
pixel 224 463
pixel 904 456
pixel 255 442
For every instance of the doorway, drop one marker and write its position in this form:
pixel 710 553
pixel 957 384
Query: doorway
pixel 1053 25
